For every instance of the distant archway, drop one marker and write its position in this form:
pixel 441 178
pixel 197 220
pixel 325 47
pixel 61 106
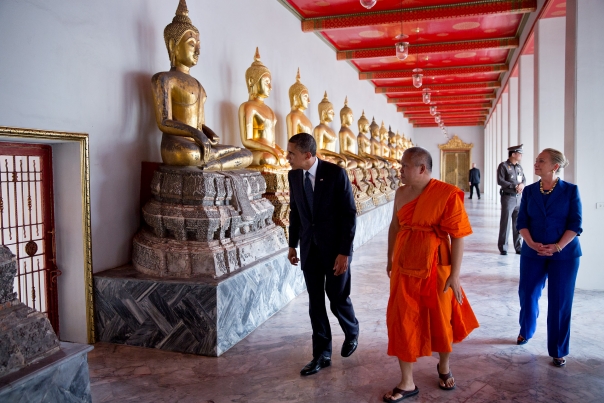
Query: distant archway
pixel 455 161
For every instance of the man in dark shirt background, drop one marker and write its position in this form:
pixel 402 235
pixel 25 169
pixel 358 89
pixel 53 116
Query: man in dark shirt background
pixel 474 180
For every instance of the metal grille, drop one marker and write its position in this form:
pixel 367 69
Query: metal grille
pixel 26 226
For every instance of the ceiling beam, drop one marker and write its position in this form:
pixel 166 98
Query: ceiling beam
pixel 458 124
pixel 430 48
pixel 474 114
pixel 439 87
pixel 487 68
pixel 441 12
pixel 415 109
pixel 434 98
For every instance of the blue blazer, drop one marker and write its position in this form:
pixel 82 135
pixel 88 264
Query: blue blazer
pixel 330 223
pixel 547 221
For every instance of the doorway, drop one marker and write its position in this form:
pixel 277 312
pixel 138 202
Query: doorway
pixel 455 159
pixel 27 224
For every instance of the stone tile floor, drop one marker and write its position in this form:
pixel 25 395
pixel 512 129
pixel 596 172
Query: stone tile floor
pixel 488 366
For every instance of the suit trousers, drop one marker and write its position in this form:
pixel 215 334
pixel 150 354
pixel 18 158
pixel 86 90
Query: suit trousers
pixel 510 205
pixel 320 281
pixel 472 186
pixel 561 276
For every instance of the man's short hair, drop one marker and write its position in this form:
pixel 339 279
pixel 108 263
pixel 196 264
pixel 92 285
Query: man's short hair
pixel 305 143
pixel 420 156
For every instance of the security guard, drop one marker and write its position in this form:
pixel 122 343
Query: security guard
pixel 510 176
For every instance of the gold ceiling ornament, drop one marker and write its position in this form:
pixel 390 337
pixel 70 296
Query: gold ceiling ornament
pixel 254 73
pixel 456 144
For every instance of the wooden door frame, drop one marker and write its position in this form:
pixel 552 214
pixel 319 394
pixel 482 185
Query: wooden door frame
pixel 455 144
pixel 54 137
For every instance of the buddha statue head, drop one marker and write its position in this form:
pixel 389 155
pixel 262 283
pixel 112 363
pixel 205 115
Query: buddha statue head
pixel 374 129
pixel 298 94
pixel 326 112
pixel 363 123
pixel 391 137
pixel 182 38
pixel 346 114
pixel 258 78
pixel 383 133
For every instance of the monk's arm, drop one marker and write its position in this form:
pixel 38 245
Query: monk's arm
pixel 457 245
pixel 392 231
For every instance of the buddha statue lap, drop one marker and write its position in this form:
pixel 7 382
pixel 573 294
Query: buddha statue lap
pixel 348 139
pixel 299 99
pixel 326 137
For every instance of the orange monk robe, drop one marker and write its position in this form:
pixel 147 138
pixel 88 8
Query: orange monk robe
pixel 421 318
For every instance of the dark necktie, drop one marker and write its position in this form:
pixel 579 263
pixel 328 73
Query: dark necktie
pixel 308 190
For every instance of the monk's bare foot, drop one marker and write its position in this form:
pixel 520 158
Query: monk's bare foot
pixel 446 380
pixel 398 393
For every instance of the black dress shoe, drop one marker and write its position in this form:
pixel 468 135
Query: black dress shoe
pixel 503 253
pixel 518 252
pixel 315 365
pixel 349 346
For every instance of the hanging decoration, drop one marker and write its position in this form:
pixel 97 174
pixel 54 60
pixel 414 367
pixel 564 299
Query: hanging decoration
pixel 417 77
pixel 368 3
pixel 426 95
pixel 402 46
pixel 433 110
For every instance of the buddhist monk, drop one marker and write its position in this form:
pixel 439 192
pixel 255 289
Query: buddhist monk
pixel 427 310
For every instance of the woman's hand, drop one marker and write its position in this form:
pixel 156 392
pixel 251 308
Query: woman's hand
pixel 546 250
pixel 536 246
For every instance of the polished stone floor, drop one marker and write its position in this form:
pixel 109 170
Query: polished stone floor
pixel 488 366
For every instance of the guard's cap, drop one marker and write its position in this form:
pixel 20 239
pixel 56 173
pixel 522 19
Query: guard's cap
pixel 516 149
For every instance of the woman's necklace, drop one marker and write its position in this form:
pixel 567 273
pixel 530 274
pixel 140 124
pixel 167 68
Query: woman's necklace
pixel 548 191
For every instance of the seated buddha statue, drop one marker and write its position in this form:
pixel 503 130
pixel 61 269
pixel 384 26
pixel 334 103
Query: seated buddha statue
pixel 399 146
pixel 326 137
pixel 364 143
pixel 392 144
pixel 386 152
pixel 179 106
pixel 257 120
pixel 376 143
pixel 347 138
pixel 296 121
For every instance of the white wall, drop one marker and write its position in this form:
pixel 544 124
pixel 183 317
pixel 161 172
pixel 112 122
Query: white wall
pixel 430 137
pixel 85 66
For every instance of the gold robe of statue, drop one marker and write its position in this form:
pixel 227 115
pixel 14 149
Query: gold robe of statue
pixel 326 137
pixel 257 120
pixel 296 121
pixel 179 106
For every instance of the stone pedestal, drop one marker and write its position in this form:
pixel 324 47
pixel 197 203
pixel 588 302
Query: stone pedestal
pixel 60 377
pixel 205 223
pixel 203 316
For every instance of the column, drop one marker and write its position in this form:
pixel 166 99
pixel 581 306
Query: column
pixel 486 169
pixel 549 83
pixel 513 111
pixel 505 122
pixel 526 104
pixel 498 132
pixel 584 120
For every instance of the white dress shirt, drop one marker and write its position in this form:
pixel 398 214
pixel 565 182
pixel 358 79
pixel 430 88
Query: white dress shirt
pixel 313 173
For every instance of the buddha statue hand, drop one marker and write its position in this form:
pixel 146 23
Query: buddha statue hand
pixel 210 134
pixel 206 146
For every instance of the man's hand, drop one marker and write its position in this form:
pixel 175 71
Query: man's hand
pixel 389 269
pixel 453 282
pixel 341 265
pixel 292 256
pixel 470 183
pixel 519 187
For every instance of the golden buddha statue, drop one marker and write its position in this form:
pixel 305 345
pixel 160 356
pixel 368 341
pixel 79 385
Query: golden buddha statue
pixel 347 138
pixel 376 142
pixel 326 137
pixel 296 121
pixel 364 143
pixel 392 144
pixel 179 106
pixel 399 146
pixel 384 140
pixel 257 120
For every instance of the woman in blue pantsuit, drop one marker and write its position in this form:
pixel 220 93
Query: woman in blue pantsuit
pixel 549 220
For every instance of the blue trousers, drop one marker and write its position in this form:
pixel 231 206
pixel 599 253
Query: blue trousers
pixel 561 276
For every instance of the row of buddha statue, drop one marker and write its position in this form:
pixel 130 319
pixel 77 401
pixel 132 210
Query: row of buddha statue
pixel 371 157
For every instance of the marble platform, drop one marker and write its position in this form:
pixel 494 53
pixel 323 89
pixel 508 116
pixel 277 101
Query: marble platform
pixel 488 366
pixel 60 377
pixel 204 316
pixel 369 224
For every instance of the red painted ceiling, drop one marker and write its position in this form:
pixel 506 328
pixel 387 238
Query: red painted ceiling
pixel 464 47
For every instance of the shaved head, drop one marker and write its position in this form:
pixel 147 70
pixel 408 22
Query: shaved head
pixel 419 156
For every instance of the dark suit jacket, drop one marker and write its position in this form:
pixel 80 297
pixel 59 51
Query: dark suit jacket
pixel 332 224
pixel 474 175
pixel 547 221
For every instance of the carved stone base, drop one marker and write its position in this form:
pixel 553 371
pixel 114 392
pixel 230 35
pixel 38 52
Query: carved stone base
pixel 360 187
pixel 205 223
pixel 277 193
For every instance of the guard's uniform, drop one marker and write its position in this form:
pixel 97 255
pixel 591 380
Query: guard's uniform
pixel 508 177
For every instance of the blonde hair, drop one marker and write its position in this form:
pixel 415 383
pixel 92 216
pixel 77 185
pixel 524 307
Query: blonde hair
pixel 557 158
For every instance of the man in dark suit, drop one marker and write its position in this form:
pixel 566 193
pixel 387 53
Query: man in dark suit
pixel 323 220
pixel 474 180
